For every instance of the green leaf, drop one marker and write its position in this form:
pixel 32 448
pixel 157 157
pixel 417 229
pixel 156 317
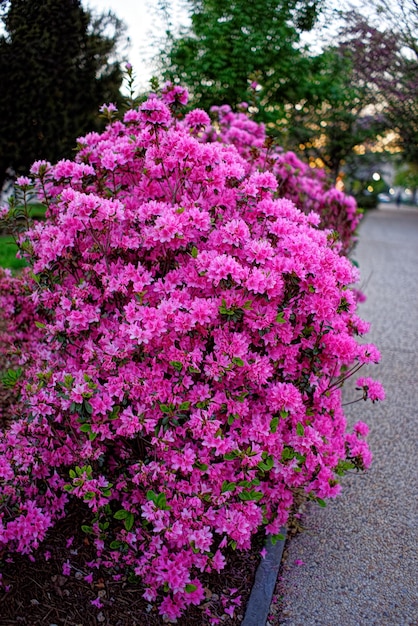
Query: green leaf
pixel 246 496
pixel 284 414
pixel 11 377
pixel 87 529
pixel 274 424
pixel 87 407
pixel 115 545
pixel 230 456
pixel 165 408
pixel 121 514
pixel 288 453
pixel 161 501
pixel 194 252
pixel 280 318
pixel 237 361
pixel 275 538
pixel 72 473
pixel 129 521
pixel 267 464
pixel 177 365
pixel 115 412
pixel 39 325
pixel 227 486
pixel 321 502
pixel 85 428
pixel 184 406
pixel 343 467
pixel 189 588
pixel 151 496
pixel 300 429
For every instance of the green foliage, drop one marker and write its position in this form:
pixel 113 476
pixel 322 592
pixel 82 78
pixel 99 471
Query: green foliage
pixel 8 250
pixel 407 176
pixel 231 44
pixel 332 121
pixel 251 51
pixel 56 69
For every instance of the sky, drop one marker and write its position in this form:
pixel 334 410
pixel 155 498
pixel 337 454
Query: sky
pixel 144 24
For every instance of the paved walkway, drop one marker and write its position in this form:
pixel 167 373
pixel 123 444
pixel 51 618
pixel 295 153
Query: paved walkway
pixel 360 554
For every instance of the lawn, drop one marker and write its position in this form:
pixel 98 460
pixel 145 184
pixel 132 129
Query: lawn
pixel 8 247
pixel 8 251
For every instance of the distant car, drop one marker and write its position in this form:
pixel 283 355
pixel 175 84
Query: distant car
pixel 385 197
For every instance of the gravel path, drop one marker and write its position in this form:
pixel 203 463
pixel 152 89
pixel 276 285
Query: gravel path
pixel 360 557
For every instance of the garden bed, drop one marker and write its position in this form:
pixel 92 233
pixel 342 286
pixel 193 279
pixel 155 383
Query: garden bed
pixel 39 594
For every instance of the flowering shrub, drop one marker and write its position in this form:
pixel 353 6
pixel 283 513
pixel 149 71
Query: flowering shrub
pixel 18 336
pixel 306 187
pixel 196 331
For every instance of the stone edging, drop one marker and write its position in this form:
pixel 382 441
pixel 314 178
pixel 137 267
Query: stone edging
pixel 258 605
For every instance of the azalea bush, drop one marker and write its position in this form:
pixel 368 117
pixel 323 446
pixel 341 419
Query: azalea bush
pixel 307 187
pixel 19 336
pixel 196 330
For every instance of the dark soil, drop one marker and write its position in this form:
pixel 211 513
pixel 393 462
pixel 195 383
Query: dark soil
pixel 38 594
pixel 35 592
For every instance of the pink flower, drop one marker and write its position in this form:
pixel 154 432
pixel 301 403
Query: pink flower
pixel 23 181
pixel 361 429
pixel 155 112
pixel 174 94
pixel 108 108
pixel 97 602
pixel 372 389
pixel 197 118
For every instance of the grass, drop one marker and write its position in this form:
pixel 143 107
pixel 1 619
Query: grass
pixel 8 251
pixel 8 247
pixel 37 210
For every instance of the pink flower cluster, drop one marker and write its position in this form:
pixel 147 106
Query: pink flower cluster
pixel 196 329
pixel 306 187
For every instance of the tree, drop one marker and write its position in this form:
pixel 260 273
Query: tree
pixel 335 119
pixel 385 57
pixel 231 44
pixel 57 66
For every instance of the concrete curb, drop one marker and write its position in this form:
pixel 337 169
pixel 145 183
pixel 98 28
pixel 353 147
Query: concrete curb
pixel 258 606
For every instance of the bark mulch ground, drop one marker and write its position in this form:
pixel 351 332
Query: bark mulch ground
pixel 35 591
pixel 38 594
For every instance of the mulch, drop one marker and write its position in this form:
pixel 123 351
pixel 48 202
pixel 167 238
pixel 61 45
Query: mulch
pixel 39 594
pixel 35 592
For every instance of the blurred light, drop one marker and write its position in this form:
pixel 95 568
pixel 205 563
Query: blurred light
pixel 370 188
pixel 408 192
pixel 392 191
pixel 376 176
